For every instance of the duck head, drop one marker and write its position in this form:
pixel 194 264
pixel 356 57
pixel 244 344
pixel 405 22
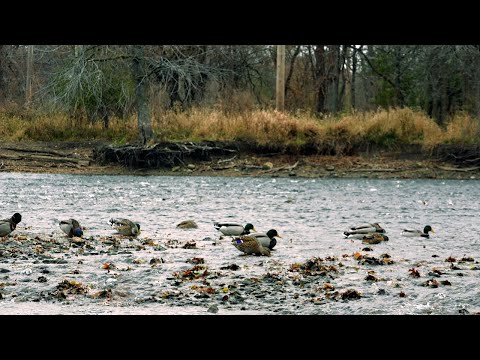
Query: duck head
pixel 249 227
pixel 428 228
pixel 272 233
pixel 16 218
pixel 78 232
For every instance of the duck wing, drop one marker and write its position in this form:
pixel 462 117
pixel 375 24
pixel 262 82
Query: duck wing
pixel 250 245
pixel 6 227
pixel 229 228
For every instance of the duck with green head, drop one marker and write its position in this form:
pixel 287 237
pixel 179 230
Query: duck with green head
pixel 359 231
pixel 233 228
pixel 418 233
pixel 8 225
pixel 267 239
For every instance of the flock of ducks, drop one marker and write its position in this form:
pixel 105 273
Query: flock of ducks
pixel 72 227
pixel 374 233
pixel 248 242
pixel 244 238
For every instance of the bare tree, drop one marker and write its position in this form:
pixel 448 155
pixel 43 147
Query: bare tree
pixel 143 112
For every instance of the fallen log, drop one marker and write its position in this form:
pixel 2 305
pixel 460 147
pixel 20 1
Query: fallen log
pixel 51 152
pixel 45 158
pixel 285 167
pixel 374 170
pixel 458 169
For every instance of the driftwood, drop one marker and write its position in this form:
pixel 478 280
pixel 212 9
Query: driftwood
pixel 226 160
pixel 167 154
pixel 50 152
pixel 458 169
pixel 46 159
pixel 462 155
pixel 285 167
pixel 374 170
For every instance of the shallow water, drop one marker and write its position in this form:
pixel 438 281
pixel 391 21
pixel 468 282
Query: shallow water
pixel 309 214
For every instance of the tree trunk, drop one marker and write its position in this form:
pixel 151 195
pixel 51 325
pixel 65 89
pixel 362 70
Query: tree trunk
pixel 280 86
pixel 144 123
pixel 335 77
pixel 28 85
pixel 320 78
pixel 399 100
pixel 354 74
pixel 343 71
pixel 3 64
pixel 290 70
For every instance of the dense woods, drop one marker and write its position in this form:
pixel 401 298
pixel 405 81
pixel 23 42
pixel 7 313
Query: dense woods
pixel 98 84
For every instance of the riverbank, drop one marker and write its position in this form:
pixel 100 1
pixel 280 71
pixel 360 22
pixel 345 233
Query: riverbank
pixel 77 158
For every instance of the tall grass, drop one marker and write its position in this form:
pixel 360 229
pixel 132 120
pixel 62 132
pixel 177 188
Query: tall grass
pixel 383 128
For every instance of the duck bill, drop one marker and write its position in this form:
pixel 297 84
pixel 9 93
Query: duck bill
pixel 279 236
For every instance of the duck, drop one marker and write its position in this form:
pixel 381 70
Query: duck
pixel 233 228
pixel 267 239
pixel 419 233
pixel 250 245
pixel 358 232
pixel 125 227
pixel 71 227
pixel 8 225
pixel 374 238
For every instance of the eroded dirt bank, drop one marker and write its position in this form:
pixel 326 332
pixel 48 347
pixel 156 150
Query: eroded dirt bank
pixel 77 158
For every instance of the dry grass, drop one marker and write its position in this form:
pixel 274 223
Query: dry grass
pixel 384 128
pixel 462 129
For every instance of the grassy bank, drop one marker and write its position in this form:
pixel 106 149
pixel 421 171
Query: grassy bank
pixel 336 135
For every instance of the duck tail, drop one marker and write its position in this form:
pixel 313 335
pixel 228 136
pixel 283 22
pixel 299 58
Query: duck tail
pixel 265 251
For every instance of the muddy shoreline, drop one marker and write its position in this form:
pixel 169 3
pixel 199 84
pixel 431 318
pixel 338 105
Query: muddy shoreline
pixel 77 158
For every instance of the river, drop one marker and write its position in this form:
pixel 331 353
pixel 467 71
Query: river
pixel 309 214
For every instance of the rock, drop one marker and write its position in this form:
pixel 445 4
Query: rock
pixel 330 168
pixel 175 168
pixel 187 224
pixel 27 271
pixel 267 166
pixel 213 309
pixel 111 282
pixel 191 166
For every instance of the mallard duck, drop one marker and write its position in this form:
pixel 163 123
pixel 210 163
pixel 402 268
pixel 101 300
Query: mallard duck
pixel 414 233
pixel 125 227
pixel 374 238
pixel 71 227
pixel 8 225
pixel 358 232
pixel 250 245
pixel 233 229
pixel 267 239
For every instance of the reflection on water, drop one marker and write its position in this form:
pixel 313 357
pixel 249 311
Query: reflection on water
pixel 310 215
